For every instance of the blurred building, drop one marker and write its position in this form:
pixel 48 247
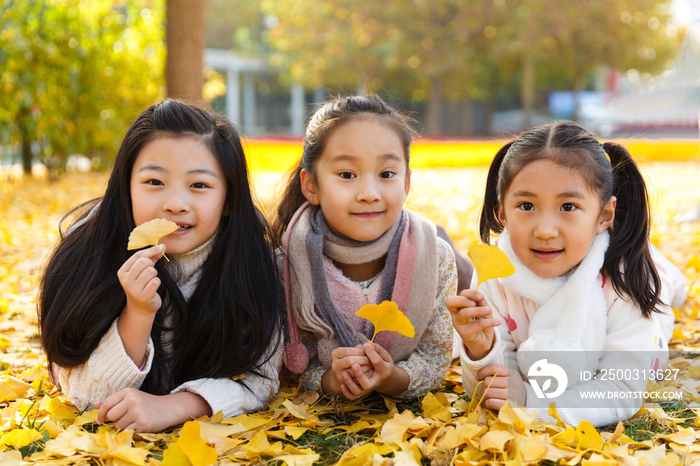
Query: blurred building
pixel 667 105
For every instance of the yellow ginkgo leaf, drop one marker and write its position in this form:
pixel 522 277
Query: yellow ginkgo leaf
pixel 588 438
pixel 387 316
pixel 490 262
pixel 149 233
pixel 19 438
pixel 192 445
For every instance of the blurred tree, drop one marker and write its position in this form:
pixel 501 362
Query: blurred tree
pixel 237 24
pixel 427 50
pixel 184 33
pixel 457 50
pixel 574 38
pixel 73 74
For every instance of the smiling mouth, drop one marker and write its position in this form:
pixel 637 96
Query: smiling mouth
pixel 547 254
pixel 184 227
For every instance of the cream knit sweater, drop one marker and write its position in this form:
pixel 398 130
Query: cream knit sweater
pixel 109 369
pixel 629 343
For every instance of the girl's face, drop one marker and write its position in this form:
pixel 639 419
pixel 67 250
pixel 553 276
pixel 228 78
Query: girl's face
pixel 361 179
pixel 180 180
pixel 552 217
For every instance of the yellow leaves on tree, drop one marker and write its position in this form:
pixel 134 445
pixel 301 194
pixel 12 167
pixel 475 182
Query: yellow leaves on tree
pixel 489 262
pixel 149 233
pixel 387 316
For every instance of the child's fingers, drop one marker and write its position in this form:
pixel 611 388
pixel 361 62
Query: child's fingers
pixel 126 421
pixel 153 253
pixel 379 357
pixel 347 393
pixel 345 351
pixel 144 279
pixel 455 303
pixel 468 314
pixel 361 378
pixel 474 327
pixel 384 354
pixel 496 382
pixel 106 406
pixel 467 298
pixel 495 403
pixel 351 385
pixel 492 370
pixel 343 364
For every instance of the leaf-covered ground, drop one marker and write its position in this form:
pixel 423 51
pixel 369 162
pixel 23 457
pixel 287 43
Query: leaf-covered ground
pixel 38 425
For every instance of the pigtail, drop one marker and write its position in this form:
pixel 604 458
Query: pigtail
pixel 292 199
pixel 628 261
pixel 488 218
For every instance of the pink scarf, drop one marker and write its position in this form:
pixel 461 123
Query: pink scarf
pixel 335 324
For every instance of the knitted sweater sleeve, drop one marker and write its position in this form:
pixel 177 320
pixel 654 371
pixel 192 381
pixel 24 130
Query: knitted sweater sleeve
pixel 503 350
pixel 626 330
pixel 428 362
pixel 107 370
pixel 625 348
pixel 234 397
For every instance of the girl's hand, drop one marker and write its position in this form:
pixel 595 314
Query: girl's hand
pixel 133 409
pixel 343 360
pixel 500 385
pixel 472 318
pixel 139 278
pixel 386 377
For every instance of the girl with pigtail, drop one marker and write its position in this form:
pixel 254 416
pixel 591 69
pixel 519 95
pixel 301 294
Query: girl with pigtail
pixel 589 293
pixel 346 241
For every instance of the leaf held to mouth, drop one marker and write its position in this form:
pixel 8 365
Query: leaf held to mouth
pixel 490 262
pixel 149 233
pixel 387 316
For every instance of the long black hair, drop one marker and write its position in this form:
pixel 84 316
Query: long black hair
pixel 628 261
pixel 234 315
pixel 329 117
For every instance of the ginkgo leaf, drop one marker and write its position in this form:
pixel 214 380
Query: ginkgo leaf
pixel 192 445
pixel 387 316
pixel 490 262
pixel 19 438
pixel 149 233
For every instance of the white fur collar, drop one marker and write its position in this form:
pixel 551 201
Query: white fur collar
pixel 572 315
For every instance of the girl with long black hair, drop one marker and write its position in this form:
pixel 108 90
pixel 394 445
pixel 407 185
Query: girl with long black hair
pixel 153 343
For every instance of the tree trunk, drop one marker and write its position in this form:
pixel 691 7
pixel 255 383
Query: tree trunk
pixel 452 122
pixel 467 116
pixel 25 144
pixel 489 110
pixel 185 43
pixel 433 122
pixel 528 90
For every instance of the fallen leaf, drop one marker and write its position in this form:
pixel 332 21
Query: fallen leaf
pixel 149 233
pixel 192 445
pixel 19 438
pixel 387 316
pixel 489 262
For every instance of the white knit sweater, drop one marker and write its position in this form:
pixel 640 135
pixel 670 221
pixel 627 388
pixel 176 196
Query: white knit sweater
pixel 629 342
pixel 109 369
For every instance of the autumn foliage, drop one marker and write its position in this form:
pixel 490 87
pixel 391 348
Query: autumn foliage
pixel 38 424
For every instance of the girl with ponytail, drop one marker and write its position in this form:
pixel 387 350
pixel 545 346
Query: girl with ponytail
pixel 589 293
pixel 346 241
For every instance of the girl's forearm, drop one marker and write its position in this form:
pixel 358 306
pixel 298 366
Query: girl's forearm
pixel 185 406
pixel 135 330
pixel 395 384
